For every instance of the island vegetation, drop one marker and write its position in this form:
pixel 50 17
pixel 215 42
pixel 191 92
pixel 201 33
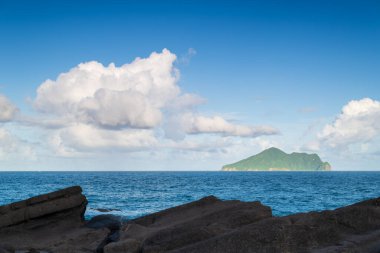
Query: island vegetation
pixel 274 159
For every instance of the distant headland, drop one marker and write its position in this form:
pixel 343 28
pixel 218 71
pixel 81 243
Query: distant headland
pixel 274 159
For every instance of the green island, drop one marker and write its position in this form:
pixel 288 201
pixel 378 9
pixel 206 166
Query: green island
pixel 274 159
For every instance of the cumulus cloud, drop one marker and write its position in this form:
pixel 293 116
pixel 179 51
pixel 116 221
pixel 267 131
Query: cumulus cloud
pixel 88 138
pixel 131 107
pixel 7 109
pixel 127 96
pixel 43 122
pixel 109 108
pixel 358 123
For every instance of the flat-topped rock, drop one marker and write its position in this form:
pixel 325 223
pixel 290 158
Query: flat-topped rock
pixel 69 201
pixel 49 223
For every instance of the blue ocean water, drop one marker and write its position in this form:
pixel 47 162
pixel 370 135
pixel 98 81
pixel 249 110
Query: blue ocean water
pixel 139 193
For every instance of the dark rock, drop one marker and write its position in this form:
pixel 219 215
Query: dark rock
pixel 69 203
pixel 354 228
pixel 52 222
pixel 125 246
pixel 112 222
pixel 194 222
pixel 5 247
pixel 214 226
pixel 106 210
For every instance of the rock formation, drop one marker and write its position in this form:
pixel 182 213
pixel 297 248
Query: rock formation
pixel 211 225
pixel 53 223
pixel 190 223
pixel 70 203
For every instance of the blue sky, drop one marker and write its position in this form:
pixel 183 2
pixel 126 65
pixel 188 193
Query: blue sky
pixel 291 67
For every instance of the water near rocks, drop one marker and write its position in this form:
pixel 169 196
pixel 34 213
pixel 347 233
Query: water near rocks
pixel 133 194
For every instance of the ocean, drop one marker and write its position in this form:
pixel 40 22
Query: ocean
pixel 133 194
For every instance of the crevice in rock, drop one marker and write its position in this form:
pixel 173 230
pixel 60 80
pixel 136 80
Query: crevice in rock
pixel 112 236
pixel 109 221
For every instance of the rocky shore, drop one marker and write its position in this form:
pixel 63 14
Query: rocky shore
pixel 54 223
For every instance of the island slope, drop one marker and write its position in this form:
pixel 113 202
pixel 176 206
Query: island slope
pixel 274 159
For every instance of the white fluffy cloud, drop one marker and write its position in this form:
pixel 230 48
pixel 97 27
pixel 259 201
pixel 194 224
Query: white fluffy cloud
pixel 127 96
pixel 88 138
pixel 109 108
pixel 131 107
pixel 358 123
pixel 7 109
